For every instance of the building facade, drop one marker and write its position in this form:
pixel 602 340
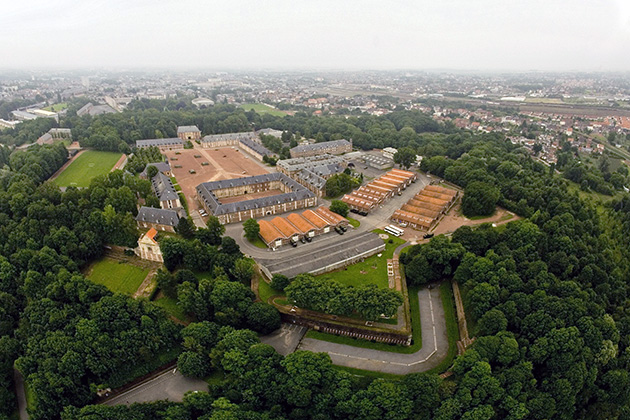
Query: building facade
pixel 335 147
pixel 188 133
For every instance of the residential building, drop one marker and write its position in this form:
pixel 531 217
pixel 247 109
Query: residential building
pixel 188 133
pixel 165 191
pixel 148 247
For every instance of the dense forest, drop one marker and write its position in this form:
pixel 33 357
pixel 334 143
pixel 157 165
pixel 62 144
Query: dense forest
pixel 547 295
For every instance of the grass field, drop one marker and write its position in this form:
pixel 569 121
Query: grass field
pixel 372 270
pixel 87 166
pixel 117 276
pixel 258 243
pixel 171 307
pixel 56 107
pixel 354 222
pixel 263 109
pixel 265 291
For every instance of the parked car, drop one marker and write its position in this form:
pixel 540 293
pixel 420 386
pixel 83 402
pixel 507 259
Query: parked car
pixel 338 230
pixel 293 244
pixel 308 238
pixel 342 227
pixel 303 240
pixel 428 235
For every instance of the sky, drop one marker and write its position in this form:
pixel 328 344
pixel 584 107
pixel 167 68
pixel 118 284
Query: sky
pixel 544 35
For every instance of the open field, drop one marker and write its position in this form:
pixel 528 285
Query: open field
pixel 263 109
pixel 56 107
pixel 86 166
pixel 171 307
pixel 117 276
pixel 373 270
pixel 223 163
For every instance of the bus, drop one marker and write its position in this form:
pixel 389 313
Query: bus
pixel 393 230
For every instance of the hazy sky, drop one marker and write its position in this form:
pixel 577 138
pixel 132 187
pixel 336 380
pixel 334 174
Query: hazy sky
pixel 318 34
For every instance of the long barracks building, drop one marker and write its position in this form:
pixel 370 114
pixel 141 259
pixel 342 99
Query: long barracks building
pixel 293 196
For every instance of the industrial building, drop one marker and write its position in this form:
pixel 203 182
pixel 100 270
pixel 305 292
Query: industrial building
pixel 426 208
pixel 367 197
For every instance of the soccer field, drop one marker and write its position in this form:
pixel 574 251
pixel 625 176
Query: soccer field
pixel 88 165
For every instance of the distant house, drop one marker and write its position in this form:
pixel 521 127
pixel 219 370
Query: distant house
pixel 163 167
pixel 158 219
pixel 148 247
pixel 189 132
pixel 165 191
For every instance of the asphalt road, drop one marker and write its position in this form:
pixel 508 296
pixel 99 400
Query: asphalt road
pixel 434 344
pixel 171 385
pixel 285 339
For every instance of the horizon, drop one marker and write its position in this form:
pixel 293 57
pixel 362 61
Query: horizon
pixel 452 36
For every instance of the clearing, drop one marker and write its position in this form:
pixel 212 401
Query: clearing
pixel 86 166
pixel 263 109
pixel 117 276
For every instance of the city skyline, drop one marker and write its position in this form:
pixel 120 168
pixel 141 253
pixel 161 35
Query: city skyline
pixel 452 35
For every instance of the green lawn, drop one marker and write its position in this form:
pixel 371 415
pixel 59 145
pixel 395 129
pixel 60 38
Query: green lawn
pixel 263 109
pixel 372 270
pixel 258 243
pixel 117 276
pixel 354 222
pixel 265 291
pixel 57 107
pixel 87 166
pixel 171 307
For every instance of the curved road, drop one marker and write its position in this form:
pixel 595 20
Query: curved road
pixel 433 351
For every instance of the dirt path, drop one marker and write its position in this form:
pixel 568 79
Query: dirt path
pixel 120 163
pixel 464 339
pixel 65 165
pixel 143 289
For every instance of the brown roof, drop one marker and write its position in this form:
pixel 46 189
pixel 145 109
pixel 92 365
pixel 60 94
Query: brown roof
pixel 392 180
pixel 433 194
pixel 315 219
pixel 407 174
pixel 441 190
pixel 300 222
pixel 411 218
pixel 385 185
pixel 431 200
pixel 268 232
pixel 285 227
pixel 420 211
pixel 425 205
pixel 330 215
pixel 355 201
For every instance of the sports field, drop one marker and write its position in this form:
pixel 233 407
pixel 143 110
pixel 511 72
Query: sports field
pixel 263 109
pixel 117 276
pixel 87 166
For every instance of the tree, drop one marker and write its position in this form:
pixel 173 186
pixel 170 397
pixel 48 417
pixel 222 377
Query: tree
pixel 251 228
pixel 243 270
pixel 262 317
pixel 339 207
pixel 215 230
pixel 152 171
pixel 186 228
pixel 405 157
pixel 480 199
pixel 193 364
pixel 279 282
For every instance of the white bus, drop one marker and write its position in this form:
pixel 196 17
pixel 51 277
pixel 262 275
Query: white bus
pixel 393 230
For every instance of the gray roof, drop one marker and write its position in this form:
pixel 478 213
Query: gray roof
pixel 163 187
pixel 204 191
pixel 159 142
pixel 188 129
pixel 228 136
pixel 256 147
pixel 165 217
pixel 161 167
pixel 328 170
pixel 310 162
pixel 312 178
pixel 320 146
